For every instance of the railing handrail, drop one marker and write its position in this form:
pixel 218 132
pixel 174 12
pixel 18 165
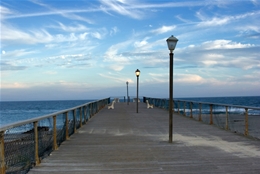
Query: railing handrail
pixel 223 115
pixel 209 103
pixel 31 120
pixel 39 146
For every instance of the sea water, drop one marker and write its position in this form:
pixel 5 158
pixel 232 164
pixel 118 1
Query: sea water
pixel 14 111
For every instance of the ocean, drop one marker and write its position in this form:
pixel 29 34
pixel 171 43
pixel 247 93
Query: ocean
pixel 252 101
pixel 14 111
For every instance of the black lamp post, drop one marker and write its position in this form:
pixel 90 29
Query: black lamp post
pixel 172 42
pixel 137 73
pixel 127 93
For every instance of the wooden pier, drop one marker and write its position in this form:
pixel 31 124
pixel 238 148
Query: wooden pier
pixel 120 140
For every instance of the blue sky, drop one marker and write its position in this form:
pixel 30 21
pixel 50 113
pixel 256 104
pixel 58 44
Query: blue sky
pixel 55 50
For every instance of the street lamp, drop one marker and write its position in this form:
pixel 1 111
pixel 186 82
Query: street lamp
pixel 137 73
pixel 172 42
pixel 127 93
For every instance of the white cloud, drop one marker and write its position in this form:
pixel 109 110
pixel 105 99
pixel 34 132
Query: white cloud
pixel 164 29
pixel 122 7
pixel 14 85
pixel 83 36
pixel 96 35
pixel 188 78
pixel 15 35
pixel 222 20
pixel 255 2
pixel 115 77
pixel 113 31
pixel 9 33
pixel 4 11
pixel 116 67
pixel 210 62
pixel 218 54
pixel 140 43
pixel 224 44
pixel 65 13
pixel 178 78
pixel 113 55
pixel 17 53
pixel 159 78
pixel 76 28
pixel 182 19
pixel 76 17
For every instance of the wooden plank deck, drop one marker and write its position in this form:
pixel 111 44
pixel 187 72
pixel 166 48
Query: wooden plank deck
pixel 123 141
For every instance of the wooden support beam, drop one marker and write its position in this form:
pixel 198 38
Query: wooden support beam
pixel 36 144
pixel 2 153
pixel 55 146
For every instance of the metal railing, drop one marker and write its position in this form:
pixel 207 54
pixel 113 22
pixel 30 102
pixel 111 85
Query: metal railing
pixel 239 119
pixel 124 98
pixel 24 144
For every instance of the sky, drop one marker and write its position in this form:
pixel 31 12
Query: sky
pixel 89 49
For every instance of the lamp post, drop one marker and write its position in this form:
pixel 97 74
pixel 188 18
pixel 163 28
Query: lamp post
pixel 127 93
pixel 172 42
pixel 137 73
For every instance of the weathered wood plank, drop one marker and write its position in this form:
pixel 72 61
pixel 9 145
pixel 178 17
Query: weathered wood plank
pixel 122 141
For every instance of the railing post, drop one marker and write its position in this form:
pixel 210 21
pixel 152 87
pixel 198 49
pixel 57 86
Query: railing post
pixel 191 116
pixel 67 126
pixel 184 108
pixel 91 110
pixel 211 114
pixel 36 143
pixel 85 114
pixel 80 114
pixel 2 153
pixel 227 118
pixel 200 114
pixel 178 107
pixel 200 119
pixel 74 119
pixel 246 121
pixel 55 146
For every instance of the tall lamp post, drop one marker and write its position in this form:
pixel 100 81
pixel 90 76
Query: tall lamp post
pixel 172 42
pixel 127 93
pixel 137 73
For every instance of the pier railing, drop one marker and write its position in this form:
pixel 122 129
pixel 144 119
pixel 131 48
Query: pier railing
pixel 239 119
pixel 124 98
pixel 24 144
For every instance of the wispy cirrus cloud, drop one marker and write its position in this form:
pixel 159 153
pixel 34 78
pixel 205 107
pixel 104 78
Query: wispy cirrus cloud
pixel 133 9
pixel 221 19
pixel 74 28
pixel 163 29
pixel 178 78
pixel 5 11
pixel 224 44
pixel 63 61
pixel 7 66
pixel 10 33
pixel 63 13
pixel 221 53
pixel 126 8
pixel 116 77
pixel 19 53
